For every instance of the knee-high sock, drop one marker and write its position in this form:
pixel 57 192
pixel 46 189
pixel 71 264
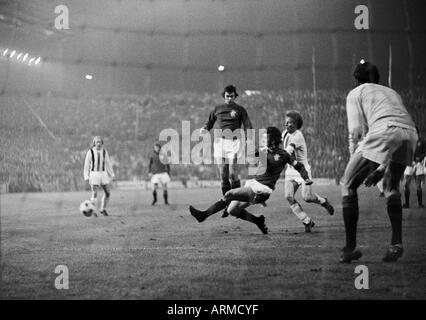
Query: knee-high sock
pixel 407 196
pixel 94 199
pixel 104 202
pixel 245 215
pixel 216 207
pixel 165 196
pixel 395 216
pixel 225 188
pixel 350 218
pixel 154 194
pixel 235 184
pixel 298 211
pixel 419 196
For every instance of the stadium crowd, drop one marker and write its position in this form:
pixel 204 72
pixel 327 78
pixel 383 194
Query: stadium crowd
pixel 44 138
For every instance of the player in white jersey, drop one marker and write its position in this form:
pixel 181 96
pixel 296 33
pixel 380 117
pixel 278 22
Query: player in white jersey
pixel 293 138
pixel 98 171
pixel 388 147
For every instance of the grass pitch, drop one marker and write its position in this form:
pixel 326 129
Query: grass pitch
pixel 145 252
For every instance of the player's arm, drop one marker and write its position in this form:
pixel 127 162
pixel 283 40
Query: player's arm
pixel 300 168
pixel 210 122
pixel 87 162
pixel 108 165
pixel 150 166
pixel 356 124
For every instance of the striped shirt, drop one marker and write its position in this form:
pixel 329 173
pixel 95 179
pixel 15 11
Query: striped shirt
pixel 98 161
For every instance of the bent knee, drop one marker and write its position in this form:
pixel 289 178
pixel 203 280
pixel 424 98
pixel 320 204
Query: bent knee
pixel 309 198
pixel 290 199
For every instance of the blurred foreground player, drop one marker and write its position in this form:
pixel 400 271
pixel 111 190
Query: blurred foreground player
pixel 259 189
pixel 292 135
pixel 159 171
pixel 98 171
pixel 386 150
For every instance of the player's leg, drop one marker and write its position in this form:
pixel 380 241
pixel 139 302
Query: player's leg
pixel 105 198
pixel 419 179
pixel 238 210
pixel 94 197
pixel 380 187
pixel 406 183
pixel 290 190
pixel 311 197
pixel 154 193
pixel 165 179
pixel 233 173
pixel 391 180
pixel 244 194
pixel 224 176
pixel 357 169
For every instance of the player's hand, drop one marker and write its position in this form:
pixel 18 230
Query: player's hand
pixel 308 182
pixel 374 177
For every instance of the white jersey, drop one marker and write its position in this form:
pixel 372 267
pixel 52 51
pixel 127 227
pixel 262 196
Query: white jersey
pixel 300 152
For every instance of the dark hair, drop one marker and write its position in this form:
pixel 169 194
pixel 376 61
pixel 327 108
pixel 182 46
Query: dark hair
pixel 230 89
pixel 366 72
pixel 273 137
pixel 296 117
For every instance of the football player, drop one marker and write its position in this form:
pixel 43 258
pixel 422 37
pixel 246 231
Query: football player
pixel 229 116
pixel 416 170
pixel 98 171
pixel 293 136
pixel 386 150
pixel 259 189
pixel 159 171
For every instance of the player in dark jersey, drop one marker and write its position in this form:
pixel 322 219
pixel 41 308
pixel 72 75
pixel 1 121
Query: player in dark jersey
pixel 229 116
pixel 259 189
pixel 159 171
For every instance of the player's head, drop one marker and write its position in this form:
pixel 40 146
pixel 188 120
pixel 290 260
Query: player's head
pixel 157 147
pixel 366 72
pixel 97 142
pixel 229 94
pixel 293 121
pixel 272 137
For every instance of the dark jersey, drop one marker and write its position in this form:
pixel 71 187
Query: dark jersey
pixel 155 164
pixel 230 117
pixel 276 160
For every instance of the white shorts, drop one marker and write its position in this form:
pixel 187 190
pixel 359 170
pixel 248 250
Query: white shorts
pixel 419 169
pixel 292 174
pixel 160 178
pixel 258 187
pixel 395 143
pixel 226 148
pixel 409 171
pixel 99 178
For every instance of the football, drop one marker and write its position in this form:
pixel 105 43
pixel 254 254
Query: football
pixel 87 208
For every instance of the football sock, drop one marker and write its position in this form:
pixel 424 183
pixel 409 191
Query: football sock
pixel 395 216
pixel 225 189
pixel 245 215
pixel 407 196
pixel 420 196
pixel 320 199
pixel 104 202
pixel 235 184
pixel 165 196
pixel 298 211
pixel 154 194
pixel 94 200
pixel 216 207
pixel 350 218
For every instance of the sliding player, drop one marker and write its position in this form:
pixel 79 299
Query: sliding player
pixel 259 189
